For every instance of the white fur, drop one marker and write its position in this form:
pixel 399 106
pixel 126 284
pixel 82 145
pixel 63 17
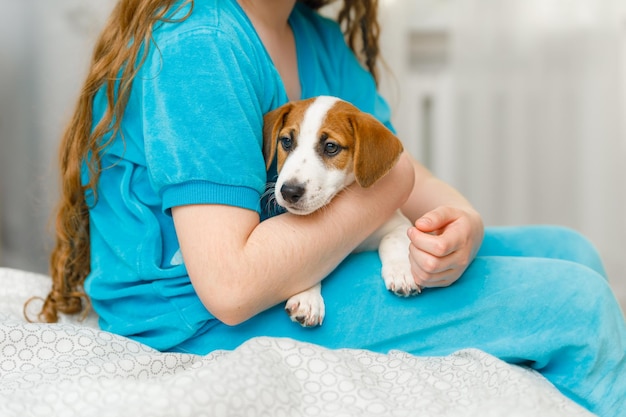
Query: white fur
pixel 307 307
pixel 304 166
pixel 393 244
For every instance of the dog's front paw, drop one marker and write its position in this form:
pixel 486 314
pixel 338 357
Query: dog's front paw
pixel 306 308
pixel 399 280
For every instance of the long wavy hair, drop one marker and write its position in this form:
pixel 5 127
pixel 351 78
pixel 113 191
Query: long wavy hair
pixel 117 56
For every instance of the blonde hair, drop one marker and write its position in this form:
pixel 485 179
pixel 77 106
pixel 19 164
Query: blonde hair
pixel 117 57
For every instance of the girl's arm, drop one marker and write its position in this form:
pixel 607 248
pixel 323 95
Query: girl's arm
pixel 447 230
pixel 240 267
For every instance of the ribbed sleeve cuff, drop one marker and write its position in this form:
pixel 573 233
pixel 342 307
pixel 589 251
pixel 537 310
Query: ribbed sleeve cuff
pixel 205 192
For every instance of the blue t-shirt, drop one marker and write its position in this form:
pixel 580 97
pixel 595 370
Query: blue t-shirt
pixel 192 134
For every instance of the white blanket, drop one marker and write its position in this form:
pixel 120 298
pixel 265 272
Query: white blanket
pixel 74 369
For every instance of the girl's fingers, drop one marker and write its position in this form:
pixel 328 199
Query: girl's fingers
pixel 443 243
pixel 437 245
pixel 430 271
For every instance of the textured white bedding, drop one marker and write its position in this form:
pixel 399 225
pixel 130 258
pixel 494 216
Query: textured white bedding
pixel 74 369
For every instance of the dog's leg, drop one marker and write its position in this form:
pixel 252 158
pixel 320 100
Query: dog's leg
pixel 307 307
pixel 394 256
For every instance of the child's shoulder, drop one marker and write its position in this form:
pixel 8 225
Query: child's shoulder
pixel 223 18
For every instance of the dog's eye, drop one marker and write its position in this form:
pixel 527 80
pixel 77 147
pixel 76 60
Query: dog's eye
pixel 331 148
pixel 286 142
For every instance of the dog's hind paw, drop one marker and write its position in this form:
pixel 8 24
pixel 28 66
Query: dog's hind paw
pixel 306 308
pixel 399 280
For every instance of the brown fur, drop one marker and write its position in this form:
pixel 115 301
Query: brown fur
pixel 340 136
pixel 369 145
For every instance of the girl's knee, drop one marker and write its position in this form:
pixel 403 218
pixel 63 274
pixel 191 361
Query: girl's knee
pixel 537 286
pixel 572 245
pixel 542 241
pixel 576 299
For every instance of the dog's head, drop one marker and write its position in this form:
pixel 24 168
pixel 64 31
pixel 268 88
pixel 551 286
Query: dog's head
pixel 322 145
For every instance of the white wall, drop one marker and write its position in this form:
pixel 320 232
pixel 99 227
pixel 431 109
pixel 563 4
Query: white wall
pixel 44 52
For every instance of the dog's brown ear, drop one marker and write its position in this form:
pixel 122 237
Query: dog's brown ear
pixel 377 149
pixel 273 121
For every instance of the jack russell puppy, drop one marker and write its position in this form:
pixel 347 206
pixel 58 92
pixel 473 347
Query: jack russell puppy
pixel 322 145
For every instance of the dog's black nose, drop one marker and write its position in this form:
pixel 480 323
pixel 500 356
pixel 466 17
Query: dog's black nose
pixel 292 192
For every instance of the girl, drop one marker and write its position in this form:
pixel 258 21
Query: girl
pixel 163 154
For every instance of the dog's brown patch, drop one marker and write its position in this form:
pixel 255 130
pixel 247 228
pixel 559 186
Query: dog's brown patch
pixel 337 130
pixel 374 149
pixel 284 121
pixel 367 147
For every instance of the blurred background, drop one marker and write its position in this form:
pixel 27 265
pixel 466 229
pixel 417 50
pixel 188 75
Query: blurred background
pixel 520 104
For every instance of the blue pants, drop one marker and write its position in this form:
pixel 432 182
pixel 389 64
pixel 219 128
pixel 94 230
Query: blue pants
pixel 534 296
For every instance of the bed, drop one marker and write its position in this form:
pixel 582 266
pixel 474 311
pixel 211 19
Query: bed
pixel 74 369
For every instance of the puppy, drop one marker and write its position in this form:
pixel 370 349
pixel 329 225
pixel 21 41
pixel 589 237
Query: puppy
pixel 322 145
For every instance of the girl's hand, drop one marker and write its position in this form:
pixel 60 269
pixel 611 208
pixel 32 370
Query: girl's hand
pixel 444 242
